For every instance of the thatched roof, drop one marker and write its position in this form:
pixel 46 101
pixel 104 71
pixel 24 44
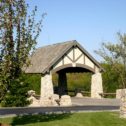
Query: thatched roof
pixel 44 58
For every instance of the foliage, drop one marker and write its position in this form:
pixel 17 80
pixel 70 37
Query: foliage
pixel 79 80
pixel 110 78
pixel 34 81
pixel 76 81
pixel 18 35
pixel 68 119
pixel 115 55
pixel 17 94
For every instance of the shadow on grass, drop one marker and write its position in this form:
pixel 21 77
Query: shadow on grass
pixel 30 119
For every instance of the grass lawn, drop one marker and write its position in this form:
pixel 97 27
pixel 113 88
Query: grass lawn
pixel 70 119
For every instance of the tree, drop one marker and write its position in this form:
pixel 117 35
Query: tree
pixel 18 35
pixel 115 55
pixel 110 79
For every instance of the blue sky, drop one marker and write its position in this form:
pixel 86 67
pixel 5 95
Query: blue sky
pixel 90 22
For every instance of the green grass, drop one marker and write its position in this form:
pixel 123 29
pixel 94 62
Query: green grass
pixel 68 119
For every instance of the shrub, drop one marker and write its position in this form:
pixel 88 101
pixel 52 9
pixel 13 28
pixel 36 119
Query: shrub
pixel 17 94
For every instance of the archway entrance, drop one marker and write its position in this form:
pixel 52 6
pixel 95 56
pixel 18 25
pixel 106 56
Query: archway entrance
pixel 67 77
pixel 63 58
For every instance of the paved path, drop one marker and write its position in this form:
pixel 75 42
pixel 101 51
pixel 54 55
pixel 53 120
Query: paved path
pixel 43 110
pixel 79 104
pixel 93 101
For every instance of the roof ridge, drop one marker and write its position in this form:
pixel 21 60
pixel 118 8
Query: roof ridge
pixel 58 43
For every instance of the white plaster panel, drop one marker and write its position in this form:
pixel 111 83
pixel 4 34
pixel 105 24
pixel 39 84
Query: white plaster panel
pixel 70 54
pixel 77 53
pixel 67 60
pixel 80 60
pixel 88 62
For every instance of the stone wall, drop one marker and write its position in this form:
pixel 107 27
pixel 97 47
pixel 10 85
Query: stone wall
pixel 121 94
pixel 118 93
pixel 123 103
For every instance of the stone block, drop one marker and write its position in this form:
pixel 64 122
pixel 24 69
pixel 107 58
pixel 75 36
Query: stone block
pixel 34 102
pixel 79 95
pixel 65 100
pixel 123 103
pixel 31 92
pixel 48 102
pixel 55 97
pixel 118 93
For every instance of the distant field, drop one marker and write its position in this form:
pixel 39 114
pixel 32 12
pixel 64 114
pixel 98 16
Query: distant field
pixel 69 119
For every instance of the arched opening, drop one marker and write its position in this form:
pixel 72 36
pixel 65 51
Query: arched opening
pixel 68 80
pixel 71 68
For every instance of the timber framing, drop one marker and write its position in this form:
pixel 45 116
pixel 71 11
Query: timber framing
pixel 54 58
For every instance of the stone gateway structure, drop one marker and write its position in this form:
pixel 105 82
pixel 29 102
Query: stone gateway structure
pixel 62 58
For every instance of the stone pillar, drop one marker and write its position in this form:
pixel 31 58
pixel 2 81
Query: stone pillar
pixel 62 83
pixel 96 85
pixel 123 104
pixel 46 90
